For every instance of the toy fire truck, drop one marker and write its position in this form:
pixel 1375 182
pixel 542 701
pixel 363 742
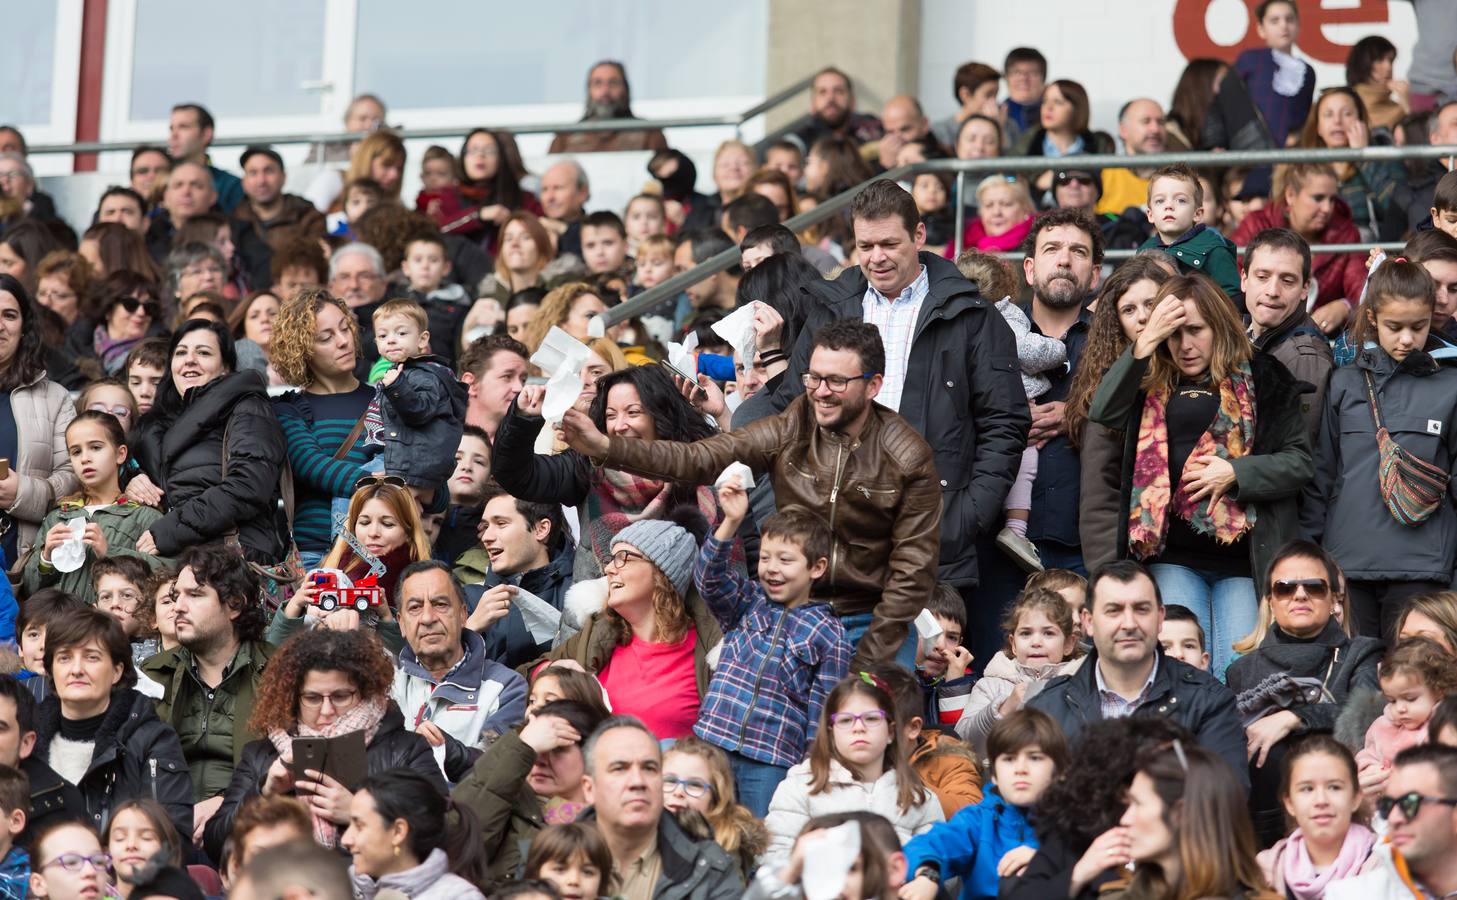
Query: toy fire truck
pixel 335 590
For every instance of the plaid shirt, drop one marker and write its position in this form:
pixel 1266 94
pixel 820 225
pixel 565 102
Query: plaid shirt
pixel 1113 703
pixel 775 669
pixel 896 320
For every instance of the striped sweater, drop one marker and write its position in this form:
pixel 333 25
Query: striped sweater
pixel 314 428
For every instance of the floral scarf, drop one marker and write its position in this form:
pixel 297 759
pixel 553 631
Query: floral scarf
pixel 110 351
pixel 1230 436
pixel 364 717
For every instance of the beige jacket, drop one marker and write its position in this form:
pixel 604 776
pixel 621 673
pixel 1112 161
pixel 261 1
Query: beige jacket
pixel 42 410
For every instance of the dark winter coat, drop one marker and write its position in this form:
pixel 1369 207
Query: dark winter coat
pixel 392 748
pixel 963 394
pixel 183 452
pixel 1302 349
pixel 1342 664
pixel 424 413
pixel 137 757
pixel 1342 508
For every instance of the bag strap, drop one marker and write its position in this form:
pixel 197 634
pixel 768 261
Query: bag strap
pixel 1371 395
pixel 350 440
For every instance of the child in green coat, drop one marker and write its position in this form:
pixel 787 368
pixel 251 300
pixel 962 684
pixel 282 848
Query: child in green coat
pixel 97 448
pixel 1175 205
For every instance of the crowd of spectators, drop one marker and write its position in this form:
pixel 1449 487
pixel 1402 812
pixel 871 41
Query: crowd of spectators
pixel 354 554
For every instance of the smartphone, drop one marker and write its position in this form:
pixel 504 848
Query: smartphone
pixel 698 392
pixel 309 753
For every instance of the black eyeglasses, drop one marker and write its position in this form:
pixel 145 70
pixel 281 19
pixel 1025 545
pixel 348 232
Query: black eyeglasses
pixel 1315 588
pixel 132 304
pixel 374 479
pixel 836 383
pixel 1409 804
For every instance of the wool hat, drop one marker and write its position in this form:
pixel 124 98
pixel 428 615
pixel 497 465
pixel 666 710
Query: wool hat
pixel 668 546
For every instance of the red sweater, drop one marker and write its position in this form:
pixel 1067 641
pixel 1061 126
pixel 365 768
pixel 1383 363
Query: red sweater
pixel 1340 276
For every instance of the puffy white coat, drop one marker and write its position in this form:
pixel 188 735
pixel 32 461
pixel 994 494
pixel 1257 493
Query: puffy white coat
pixel 1383 882
pixel 793 805
pixel 1002 676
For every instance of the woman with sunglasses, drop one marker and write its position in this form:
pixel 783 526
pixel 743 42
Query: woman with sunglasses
pixel 385 519
pixel 122 311
pixel 211 451
pixel 1303 640
pixel 324 684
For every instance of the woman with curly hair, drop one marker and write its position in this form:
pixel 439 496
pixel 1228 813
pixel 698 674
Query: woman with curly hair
pixel 1120 313
pixel 569 307
pixel 316 346
pixel 698 784
pixel 321 684
pixel 1085 803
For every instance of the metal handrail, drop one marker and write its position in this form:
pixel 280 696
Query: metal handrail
pixel 653 296
pixel 735 120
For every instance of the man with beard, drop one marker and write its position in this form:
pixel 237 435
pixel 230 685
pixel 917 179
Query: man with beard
pixel 1141 128
pixel 951 370
pixel 608 97
pixel 211 678
pixel 451 692
pixel 1064 255
pixel 832 111
pixel 870 476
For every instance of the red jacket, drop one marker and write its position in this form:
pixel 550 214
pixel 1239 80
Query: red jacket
pixel 1340 276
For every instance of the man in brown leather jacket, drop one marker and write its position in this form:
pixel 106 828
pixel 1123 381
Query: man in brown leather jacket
pixel 837 453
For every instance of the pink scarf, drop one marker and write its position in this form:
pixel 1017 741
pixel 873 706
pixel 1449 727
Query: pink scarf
pixel 1303 882
pixel 364 717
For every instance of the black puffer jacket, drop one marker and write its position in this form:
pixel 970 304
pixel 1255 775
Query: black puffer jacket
pixel 183 455
pixel 1343 664
pixel 137 757
pixel 392 748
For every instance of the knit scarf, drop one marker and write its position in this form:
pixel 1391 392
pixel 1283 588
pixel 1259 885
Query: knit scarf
pixel 1303 882
pixel 364 717
pixel 619 498
pixel 111 351
pixel 1229 437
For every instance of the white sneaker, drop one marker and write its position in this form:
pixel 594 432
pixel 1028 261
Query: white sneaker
pixel 1020 549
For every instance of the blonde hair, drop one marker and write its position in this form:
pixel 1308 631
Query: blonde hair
pixel 659 244
pixel 404 308
pixel 733 825
pixel 378 145
pixel 554 309
pixel 1018 189
pixel 610 353
pixel 401 503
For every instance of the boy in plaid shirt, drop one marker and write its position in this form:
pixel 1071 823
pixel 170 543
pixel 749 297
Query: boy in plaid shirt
pixel 782 650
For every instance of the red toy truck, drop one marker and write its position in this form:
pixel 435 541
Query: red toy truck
pixel 334 590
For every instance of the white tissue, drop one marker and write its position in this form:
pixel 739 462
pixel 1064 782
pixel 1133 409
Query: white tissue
pixel 560 350
pixel 738 329
pixel 596 327
pixel 680 356
pixel 828 858
pixel 542 620
pixel 927 626
pixel 562 390
pixel 738 470
pixel 71 555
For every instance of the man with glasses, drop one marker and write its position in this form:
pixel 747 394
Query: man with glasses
pixel 17 180
pixel 1419 805
pixel 449 690
pixel 356 276
pixel 210 680
pixel 837 453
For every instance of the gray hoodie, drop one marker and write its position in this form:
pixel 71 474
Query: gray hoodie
pixel 430 880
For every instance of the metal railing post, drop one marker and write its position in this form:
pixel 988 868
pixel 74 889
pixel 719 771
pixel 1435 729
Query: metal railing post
pixel 960 213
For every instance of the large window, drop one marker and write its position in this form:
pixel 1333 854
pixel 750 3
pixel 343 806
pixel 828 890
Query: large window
pixel 39 69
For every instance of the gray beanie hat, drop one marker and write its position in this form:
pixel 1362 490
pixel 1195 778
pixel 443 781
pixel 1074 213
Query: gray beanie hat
pixel 668 546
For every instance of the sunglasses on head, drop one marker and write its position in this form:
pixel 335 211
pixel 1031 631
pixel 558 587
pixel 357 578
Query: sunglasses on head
pixel 1315 588
pixel 374 479
pixel 132 304
pixel 1409 804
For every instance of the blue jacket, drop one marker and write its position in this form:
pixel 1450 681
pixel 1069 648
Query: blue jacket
pixel 15 875
pixel 972 843
pixel 423 413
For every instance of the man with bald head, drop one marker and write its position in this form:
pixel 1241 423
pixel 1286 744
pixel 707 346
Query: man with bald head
pixel 189 193
pixel 905 123
pixel 564 193
pixel 1141 128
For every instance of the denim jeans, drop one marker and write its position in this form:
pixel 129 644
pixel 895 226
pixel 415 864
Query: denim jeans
pixel 1060 556
pixel 755 782
pixel 1227 607
pixel 856 624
